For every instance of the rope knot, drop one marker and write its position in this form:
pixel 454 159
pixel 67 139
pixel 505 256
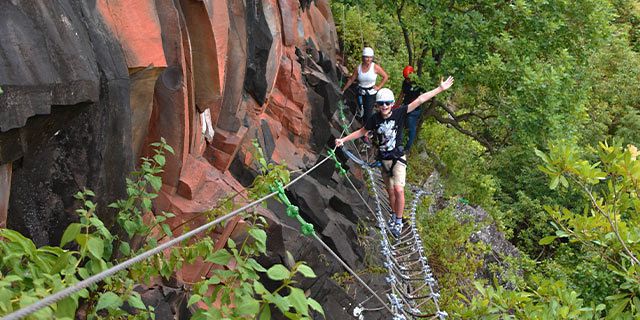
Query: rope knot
pixel 307 229
pixel 292 211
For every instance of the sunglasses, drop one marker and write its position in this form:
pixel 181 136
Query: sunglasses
pixel 385 103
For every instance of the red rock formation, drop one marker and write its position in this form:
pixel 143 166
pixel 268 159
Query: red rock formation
pixel 247 62
pixel 143 53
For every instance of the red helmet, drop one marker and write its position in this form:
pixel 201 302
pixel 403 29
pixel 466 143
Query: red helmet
pixel 407 71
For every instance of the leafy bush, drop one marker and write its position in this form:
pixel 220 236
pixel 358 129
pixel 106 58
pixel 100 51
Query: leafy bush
pixel 30 273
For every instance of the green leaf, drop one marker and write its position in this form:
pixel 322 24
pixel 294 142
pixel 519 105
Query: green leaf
pixel 259 288
pixel 167 230
pixel 260 236
pixel 66 308
pixel 96 247
pixel 541 155
pixel 564 182
pixel 265 314
pixel 617 296
pixel 299 301
pixel 247 305
pixel 306 271
pixel 146 203
pixel 125 248
pixel 617 308
pixel 255 265
pixel 108 300
pixel 315 306
pixel 159 159
pixel 136 301
pixel 280 302
pixel 278 272
pixel 547 240
pixel 220 257
pixel 70 233
pixel 554 182
pixel 15 237
pixel 83 273
pixel 156 182
pixel 193 299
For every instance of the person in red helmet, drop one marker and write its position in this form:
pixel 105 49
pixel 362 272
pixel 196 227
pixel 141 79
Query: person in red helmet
pixel 387 126
pixel 410 91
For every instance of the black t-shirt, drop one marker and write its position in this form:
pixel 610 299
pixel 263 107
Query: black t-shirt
pixel 388 132
pixel 410 91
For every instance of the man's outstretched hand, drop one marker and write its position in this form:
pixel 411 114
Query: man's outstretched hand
pixel 447 83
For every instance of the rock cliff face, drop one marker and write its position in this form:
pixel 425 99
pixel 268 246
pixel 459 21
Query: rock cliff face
pixel 89 84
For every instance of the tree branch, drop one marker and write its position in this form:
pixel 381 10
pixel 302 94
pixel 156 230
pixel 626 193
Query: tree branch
pixel 455 124
pixel 405 31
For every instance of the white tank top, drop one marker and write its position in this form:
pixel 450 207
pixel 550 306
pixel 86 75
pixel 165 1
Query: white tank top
pixel 368 79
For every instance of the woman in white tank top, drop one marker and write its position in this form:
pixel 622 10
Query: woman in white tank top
pixel 367 75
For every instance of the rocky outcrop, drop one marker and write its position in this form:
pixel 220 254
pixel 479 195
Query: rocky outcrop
pixel 65 120
pixel 89 84
pixel 486 232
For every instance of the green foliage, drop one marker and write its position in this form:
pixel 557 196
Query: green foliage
pixel 29 273
pixel 42 271
pixel 606 228
pixel 453 257
pixel 547 300
pixel 462 159
pixel 528 73
pixel 360 24
pixel 239 291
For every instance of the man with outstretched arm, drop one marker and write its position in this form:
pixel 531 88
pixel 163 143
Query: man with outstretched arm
pixel 387 126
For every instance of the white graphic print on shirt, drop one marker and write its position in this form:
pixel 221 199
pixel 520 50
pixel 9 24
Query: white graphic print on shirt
pixel 387 131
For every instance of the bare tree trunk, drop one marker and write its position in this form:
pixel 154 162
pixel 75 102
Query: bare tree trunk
pixel 405 31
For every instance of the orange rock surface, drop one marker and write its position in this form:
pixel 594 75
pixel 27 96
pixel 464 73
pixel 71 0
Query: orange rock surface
pixel 187 56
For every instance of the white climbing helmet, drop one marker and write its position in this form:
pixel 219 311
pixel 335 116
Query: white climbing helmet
pixel 367 52
pixel 385 94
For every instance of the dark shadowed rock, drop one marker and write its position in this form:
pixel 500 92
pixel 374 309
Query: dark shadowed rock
pixel 259 41
pixel 324 96
pixel 269 143
pixel 168 303
pixel 45 60
pixel 305 4
pixel 78 145
pixel 245 175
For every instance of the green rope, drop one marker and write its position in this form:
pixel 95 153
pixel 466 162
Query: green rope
pixel 343 118
pixel 339 167
pixel 292 211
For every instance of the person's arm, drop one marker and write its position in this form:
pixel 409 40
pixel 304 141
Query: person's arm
pixel 350 81
pixel 378 69
pixel 354 135
pixel 444 85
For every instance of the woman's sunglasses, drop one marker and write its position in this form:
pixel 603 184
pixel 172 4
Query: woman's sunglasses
pixel 385 103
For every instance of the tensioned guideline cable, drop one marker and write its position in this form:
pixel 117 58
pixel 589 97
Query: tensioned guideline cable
pixel 46 301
